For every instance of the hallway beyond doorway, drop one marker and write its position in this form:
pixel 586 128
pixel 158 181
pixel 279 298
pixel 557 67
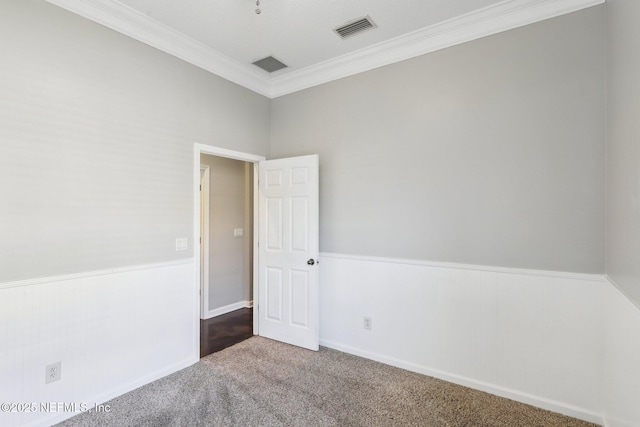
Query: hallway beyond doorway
pixel 226 330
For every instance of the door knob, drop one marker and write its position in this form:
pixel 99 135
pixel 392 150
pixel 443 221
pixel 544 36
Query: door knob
pixel 311 262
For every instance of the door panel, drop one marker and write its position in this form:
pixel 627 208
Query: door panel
pixel 299 298
pixel 275 233
pixel 274 294
pixel 300 217
pixel 288 229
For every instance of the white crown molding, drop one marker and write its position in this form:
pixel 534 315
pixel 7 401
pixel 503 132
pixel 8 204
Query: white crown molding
pixel 123 19
pixel 494 19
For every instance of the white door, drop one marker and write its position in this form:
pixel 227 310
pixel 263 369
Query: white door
pixel 288 250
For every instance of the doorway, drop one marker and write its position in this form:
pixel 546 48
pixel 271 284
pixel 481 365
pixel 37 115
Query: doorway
pixel 285 271
pixel 253 161
pixel 226 252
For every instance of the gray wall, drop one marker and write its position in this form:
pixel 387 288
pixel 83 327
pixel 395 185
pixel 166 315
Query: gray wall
pixel 623 145
pixel 230 207
pixel 487 153
pixel 491 152
pixel 96 143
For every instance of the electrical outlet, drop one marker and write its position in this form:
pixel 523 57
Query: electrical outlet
pixel 52 372
pixel 366 323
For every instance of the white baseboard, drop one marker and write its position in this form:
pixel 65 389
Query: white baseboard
pixel 527 335
pixel 228 309
pixel 106 349
pixel 118 391
pixel 540 402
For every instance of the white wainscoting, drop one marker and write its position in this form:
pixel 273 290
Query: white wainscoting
pixel 531 336
pixel 543 338
pixel 622 360
pixel 112 330
pixel 228 309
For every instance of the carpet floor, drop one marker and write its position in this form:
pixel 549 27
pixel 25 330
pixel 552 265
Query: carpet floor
pixel 260 382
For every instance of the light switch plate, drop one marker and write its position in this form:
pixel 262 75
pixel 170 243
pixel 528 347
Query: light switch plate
pixel 181 244
pixel 238 232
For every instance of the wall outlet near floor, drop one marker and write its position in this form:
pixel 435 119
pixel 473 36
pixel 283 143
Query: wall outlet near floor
pixel 52 372
pixel 366 323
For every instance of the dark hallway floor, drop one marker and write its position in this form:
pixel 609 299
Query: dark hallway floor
pixel 226 330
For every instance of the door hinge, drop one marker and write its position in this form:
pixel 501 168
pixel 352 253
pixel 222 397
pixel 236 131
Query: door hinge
pixel 200 187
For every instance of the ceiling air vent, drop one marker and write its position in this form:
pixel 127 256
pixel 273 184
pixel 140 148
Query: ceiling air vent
pixel 354 27
pixel 270 64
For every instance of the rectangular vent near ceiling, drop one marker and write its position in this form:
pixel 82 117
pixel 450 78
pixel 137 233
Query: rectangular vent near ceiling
pixel 270 64
pixel 354 27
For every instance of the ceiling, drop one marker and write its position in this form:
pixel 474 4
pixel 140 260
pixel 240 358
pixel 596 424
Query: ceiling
pixel 226 36
pixel 298 32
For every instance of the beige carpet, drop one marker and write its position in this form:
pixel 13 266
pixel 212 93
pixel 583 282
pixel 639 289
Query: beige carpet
pixel 260 382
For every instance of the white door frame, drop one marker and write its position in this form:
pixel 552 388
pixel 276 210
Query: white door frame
pixel 203 257
pixel 199 149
